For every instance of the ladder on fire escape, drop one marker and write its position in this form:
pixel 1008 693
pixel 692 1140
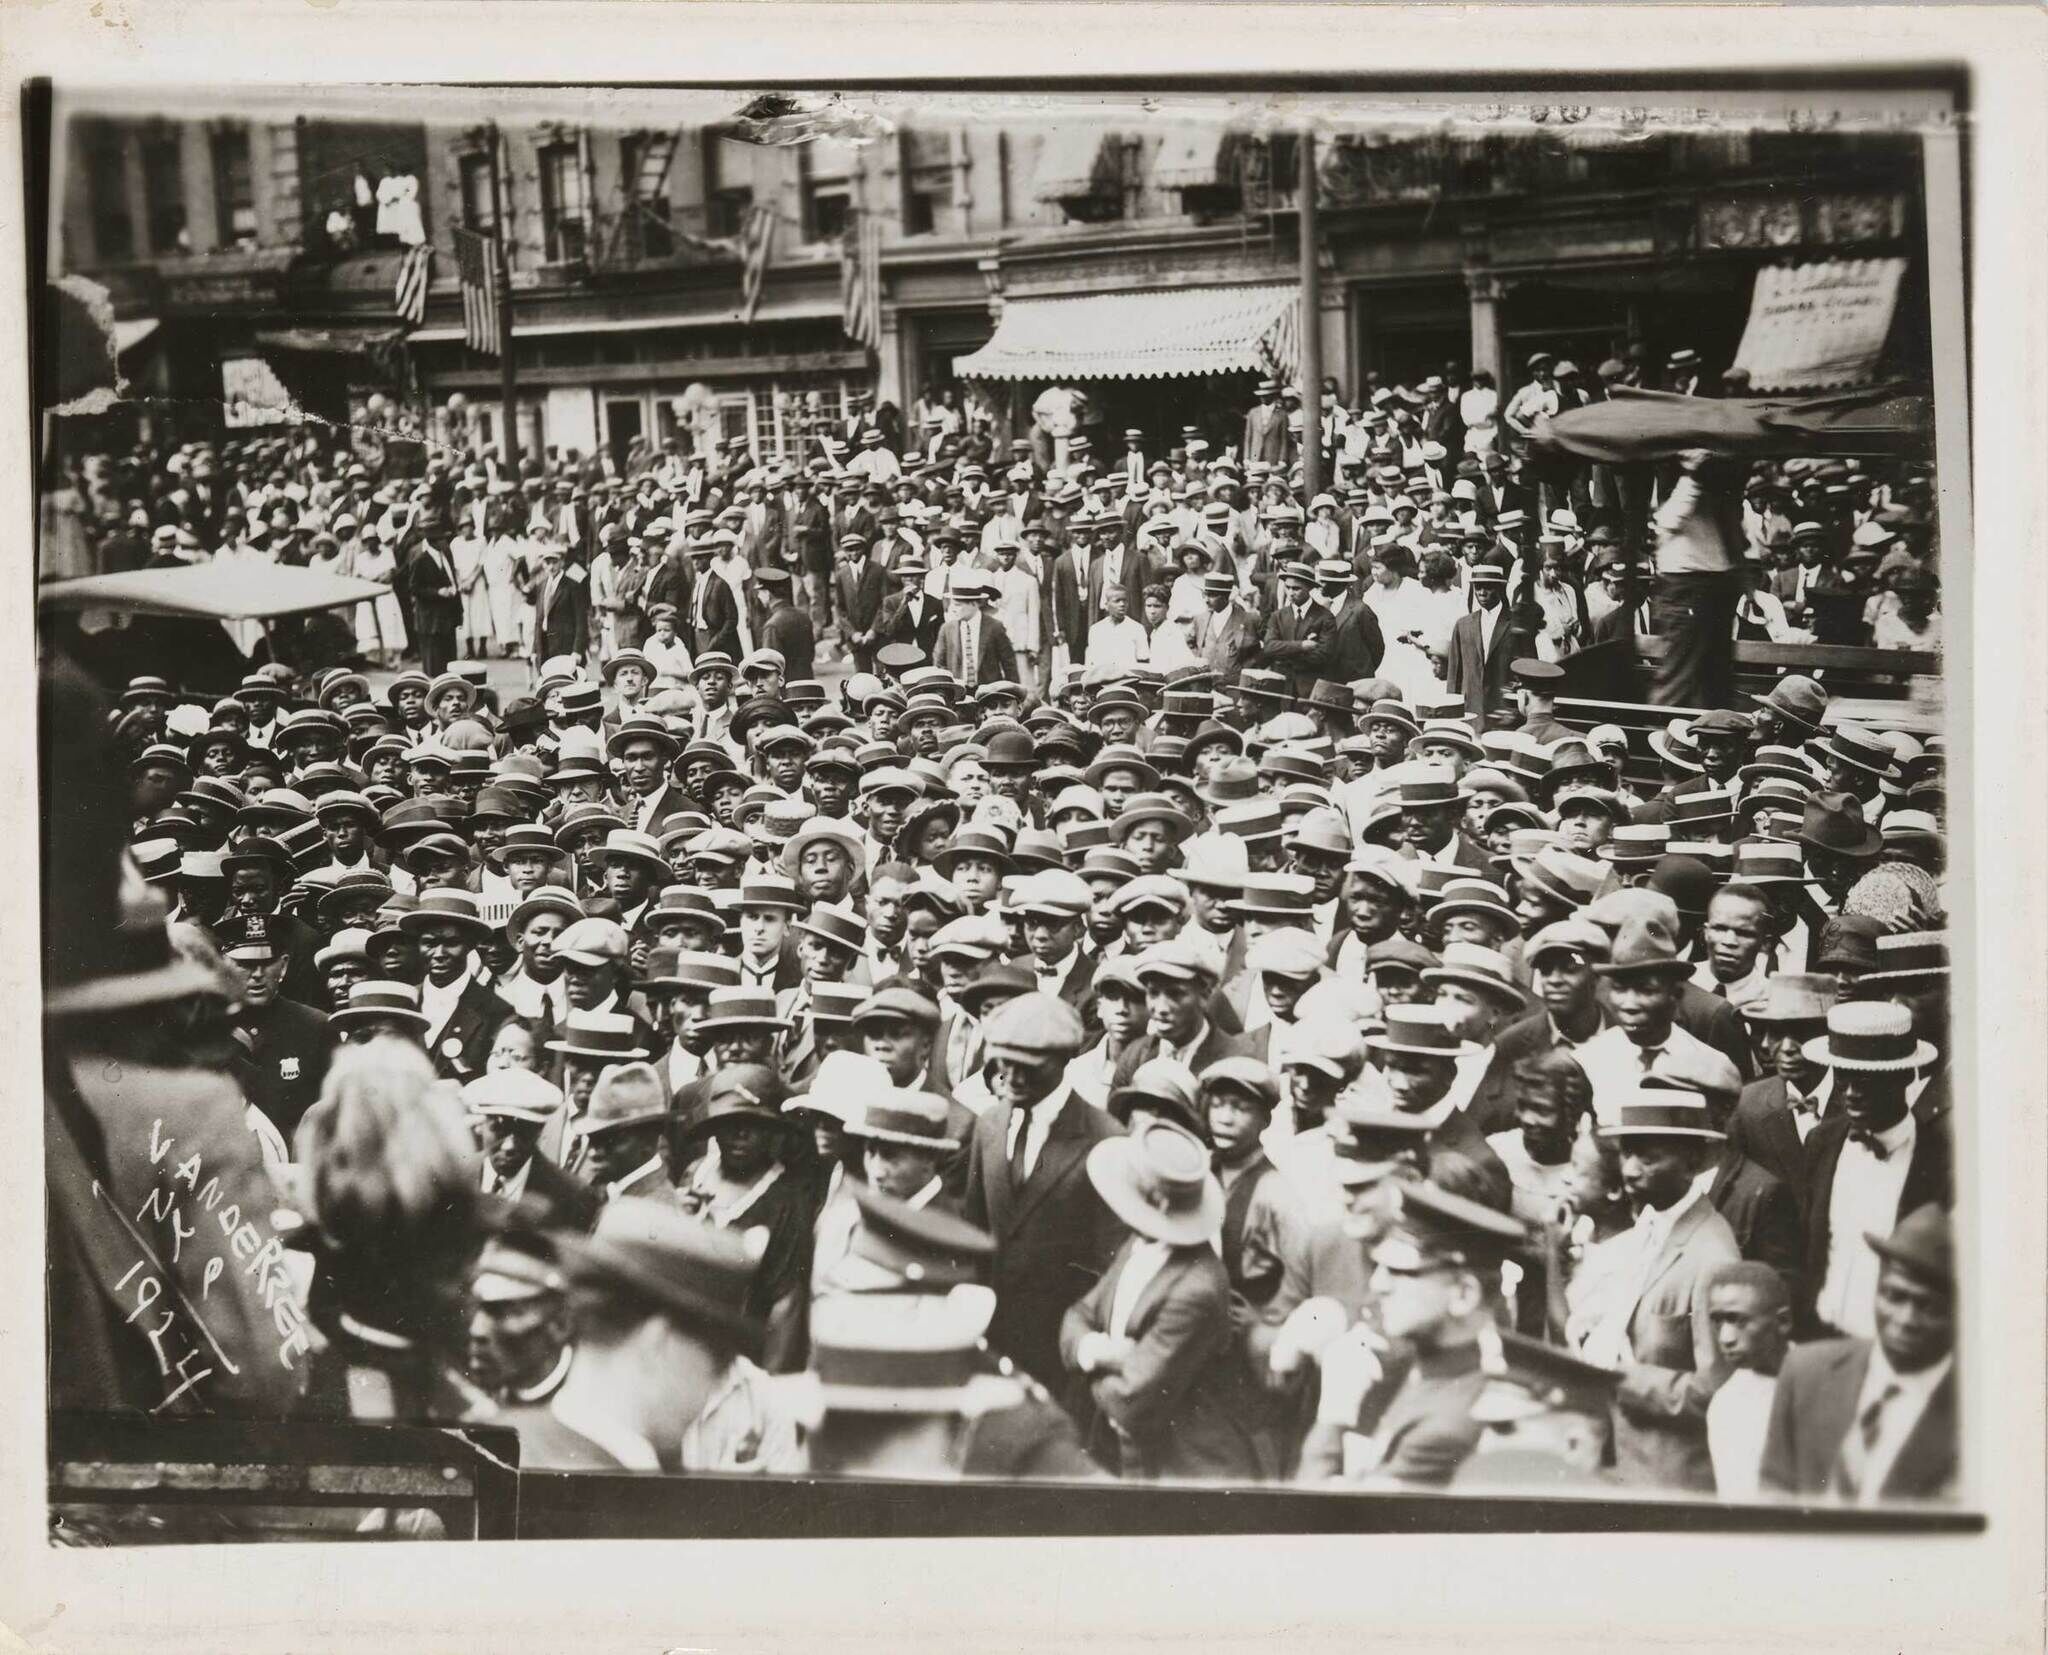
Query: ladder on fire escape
pixel 654 155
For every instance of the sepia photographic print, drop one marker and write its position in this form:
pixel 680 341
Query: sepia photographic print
pixel 931 811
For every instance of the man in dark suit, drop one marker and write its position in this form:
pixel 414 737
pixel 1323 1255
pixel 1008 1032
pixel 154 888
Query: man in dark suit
pixel 714 612
pixel 463 1010
pixel 561 605
pixel 436 601
pixel 1265 427
pixel 1774 1117
pixel 1119 564
pixel 1027 1182
pixel 1353 646
pixel 913 616
pixel 973 646
pixel 1066 589
pixel 1854 1159
pixel 1232 635
pixel 1482 648
pixel 1866 1420
pixel 1560 959
pixel 1295 640
pixel 858 586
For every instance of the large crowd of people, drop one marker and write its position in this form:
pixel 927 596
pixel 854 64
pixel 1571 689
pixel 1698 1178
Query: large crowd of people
pixel 1181 1004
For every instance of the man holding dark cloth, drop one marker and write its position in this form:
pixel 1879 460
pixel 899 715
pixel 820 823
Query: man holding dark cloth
pixel 1699 582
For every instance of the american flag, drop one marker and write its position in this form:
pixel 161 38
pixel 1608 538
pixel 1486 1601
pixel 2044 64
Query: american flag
pixel 477 263
pixel 860 279
pixel 415 271
pixel 757 237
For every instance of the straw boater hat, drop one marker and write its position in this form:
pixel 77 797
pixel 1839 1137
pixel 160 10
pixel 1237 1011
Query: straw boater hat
pixel 1157 1180
pixel 899 1353
pixel 917 1119
pixel 608 1035
pixel 1420 1031
pixel 1660 1112
pixel 376 1001
pixel 742 1008
pixel 1870 1036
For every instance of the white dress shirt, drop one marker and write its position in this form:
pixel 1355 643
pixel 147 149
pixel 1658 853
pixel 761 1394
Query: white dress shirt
pixel 1035 1125
pixel 1864 1201
pixel 1635 1253
pixel 1737 1419
pixel 1616 1065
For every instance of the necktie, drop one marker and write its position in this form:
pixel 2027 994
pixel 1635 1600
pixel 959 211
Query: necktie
pixel 968 662
pixel 1648 1055
pixel 1869 1427
pixel 1020 1138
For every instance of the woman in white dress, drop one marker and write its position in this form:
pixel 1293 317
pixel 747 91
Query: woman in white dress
pixel 502 552
pixel 467 550
pixel 1410 616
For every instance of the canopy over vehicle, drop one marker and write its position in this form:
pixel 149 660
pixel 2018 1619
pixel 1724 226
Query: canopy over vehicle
pixel 1892 420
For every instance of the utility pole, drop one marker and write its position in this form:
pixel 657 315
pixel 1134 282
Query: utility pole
pixel 1311 320
pixel 508 375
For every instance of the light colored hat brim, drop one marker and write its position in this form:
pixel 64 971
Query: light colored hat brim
pixel 708 1024
pixel 1816 1051
pixel 350 1018
pixel 1381 1043
pixel 636 1054
pixel 984 1393
pixel 1111 1178
pixel 880 1135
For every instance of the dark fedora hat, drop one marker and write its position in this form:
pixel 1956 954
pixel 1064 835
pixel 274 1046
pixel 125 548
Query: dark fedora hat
pixel 1834 822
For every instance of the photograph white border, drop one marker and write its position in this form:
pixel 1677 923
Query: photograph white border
pixel 1520 1592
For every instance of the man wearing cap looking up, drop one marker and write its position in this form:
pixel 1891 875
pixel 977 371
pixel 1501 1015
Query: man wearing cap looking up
pixel 1026 1182
pixel 1869 1420
pixel 1642 1305
pixel 1179 977
pixel 593 953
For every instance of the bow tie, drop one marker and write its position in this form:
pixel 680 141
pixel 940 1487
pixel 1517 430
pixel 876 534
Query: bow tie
pixel 1802 1106
pixel 1868 1140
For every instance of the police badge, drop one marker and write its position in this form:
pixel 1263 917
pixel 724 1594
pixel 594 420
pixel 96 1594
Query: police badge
pixel 287 1068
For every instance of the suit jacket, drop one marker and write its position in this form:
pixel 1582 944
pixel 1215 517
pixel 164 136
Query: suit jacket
pixel 1492 1106
pixel 1232 639
pixel 1216 1045
pixel 1660 1419
pixel 788 631
pixel 1265 433
pixel 436 600
pixel 860 595
pixel 1764 1215
pixel 560 616
pixel 1814 1409
pixel 899 627
pixel 1136 572
pixel 1295 643
pixel 1762 1131
pixel 1353 646
pixel 1713 1020
pixel 461 1047
pixel 1930 1176
pixel 1170 1411
pixel 721 624
pixel 998 658
pixel 1067 605
pixel 1054 1235
pixel 1482 681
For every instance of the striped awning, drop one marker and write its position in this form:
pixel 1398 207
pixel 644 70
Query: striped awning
pixel 1169 334
pixel 1192 158
pixel 1078 161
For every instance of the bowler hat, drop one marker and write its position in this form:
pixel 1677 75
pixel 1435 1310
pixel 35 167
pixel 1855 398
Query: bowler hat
pixel 1923 1243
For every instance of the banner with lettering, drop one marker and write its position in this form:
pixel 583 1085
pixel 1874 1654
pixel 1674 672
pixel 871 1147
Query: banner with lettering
pixel 1816 326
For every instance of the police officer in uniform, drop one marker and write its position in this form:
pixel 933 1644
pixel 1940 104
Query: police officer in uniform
pixel 1396 1407
pixel 284 1044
